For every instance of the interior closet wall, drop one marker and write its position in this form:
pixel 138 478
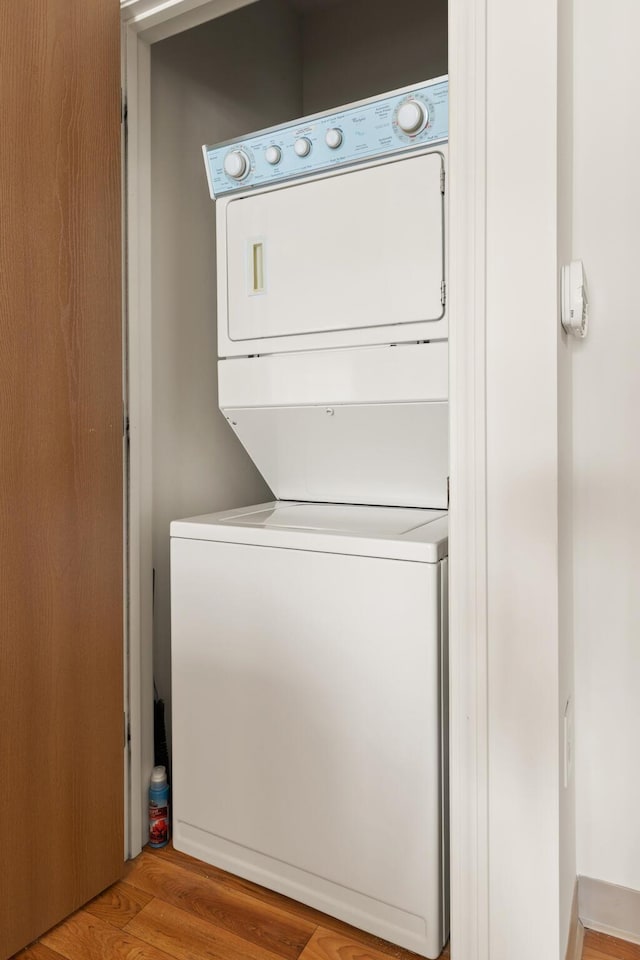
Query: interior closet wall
pixel 353 50
pixel 261 65
pixel 606 449
pixel 208 84
pixel 264 64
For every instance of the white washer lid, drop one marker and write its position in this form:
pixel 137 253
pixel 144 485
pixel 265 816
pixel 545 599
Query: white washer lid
pixel 398 533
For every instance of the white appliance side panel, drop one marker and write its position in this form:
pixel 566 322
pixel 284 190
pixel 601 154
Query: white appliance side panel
pixel 396 454
pixel 357 250
pixel 306 728
pixel 408 372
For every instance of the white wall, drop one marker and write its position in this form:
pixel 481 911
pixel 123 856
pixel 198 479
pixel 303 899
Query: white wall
pixel 211 83
pixel 606 441
pixel 566 693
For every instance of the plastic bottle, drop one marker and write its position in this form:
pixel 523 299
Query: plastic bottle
pixel 158 808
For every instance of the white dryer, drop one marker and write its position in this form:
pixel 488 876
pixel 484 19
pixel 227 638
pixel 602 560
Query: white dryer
pixel 309 690
pixel 353 258
pixel 331 305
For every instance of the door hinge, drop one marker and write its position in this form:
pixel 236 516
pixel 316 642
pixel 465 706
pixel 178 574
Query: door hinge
pixel 123 107
pixel 442 181
pixel 126 730
pixel 447 493
pixel 125 424
pixel 443 293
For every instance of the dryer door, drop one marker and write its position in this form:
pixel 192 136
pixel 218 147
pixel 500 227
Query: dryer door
pixel 351 258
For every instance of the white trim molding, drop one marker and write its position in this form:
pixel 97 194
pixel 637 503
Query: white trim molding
pixel 138 345
pixel 609 908
pixel 523 648
pixel 468 512
pixel 576 930
pixel 156 20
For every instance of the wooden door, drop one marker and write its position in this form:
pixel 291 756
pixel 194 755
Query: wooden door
pixel 61 702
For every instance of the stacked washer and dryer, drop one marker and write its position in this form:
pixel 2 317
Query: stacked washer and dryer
pixel 309 634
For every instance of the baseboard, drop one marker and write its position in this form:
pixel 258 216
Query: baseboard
pixel 576 930
pixel 609 909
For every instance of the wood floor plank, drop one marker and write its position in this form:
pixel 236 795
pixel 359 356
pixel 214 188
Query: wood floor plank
pixel 328 945
pixel 37 951
pixel 589 954
pixel 599 946
pixel 233 910
pixel 186 937
pixel 315 917
pixel 119 904
pixel 84 937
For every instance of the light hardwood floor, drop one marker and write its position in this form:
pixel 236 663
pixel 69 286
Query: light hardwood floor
pixel 171 907
pixel 599 947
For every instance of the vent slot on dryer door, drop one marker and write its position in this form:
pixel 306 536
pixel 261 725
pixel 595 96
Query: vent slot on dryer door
pixel 356 250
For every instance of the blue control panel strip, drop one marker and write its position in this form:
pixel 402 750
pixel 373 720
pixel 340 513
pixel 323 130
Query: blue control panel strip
pixel 349 135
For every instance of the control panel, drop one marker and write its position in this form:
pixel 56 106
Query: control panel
pixel 392 123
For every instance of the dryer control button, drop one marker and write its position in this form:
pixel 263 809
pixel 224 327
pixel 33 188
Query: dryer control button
pixel 412 117
pixel 273 154
pixel 237 164
pixel 302 147
pixel 334 138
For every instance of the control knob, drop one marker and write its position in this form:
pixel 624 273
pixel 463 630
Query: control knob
pixel 273 154
pixel 302 147
pixel 333 138
pixel 412 117
pixel 237 164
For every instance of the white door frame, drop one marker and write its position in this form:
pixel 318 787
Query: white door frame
pixel 468 628
pixel 139 612
pixel 473 133
pixel 145 22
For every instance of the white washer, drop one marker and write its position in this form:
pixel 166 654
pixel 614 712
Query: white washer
pixel 309 707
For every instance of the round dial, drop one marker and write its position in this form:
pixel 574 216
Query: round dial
pixel 237 164
pixel 273 154
pixel 302 147
pixel 334 138
pixel 412 117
